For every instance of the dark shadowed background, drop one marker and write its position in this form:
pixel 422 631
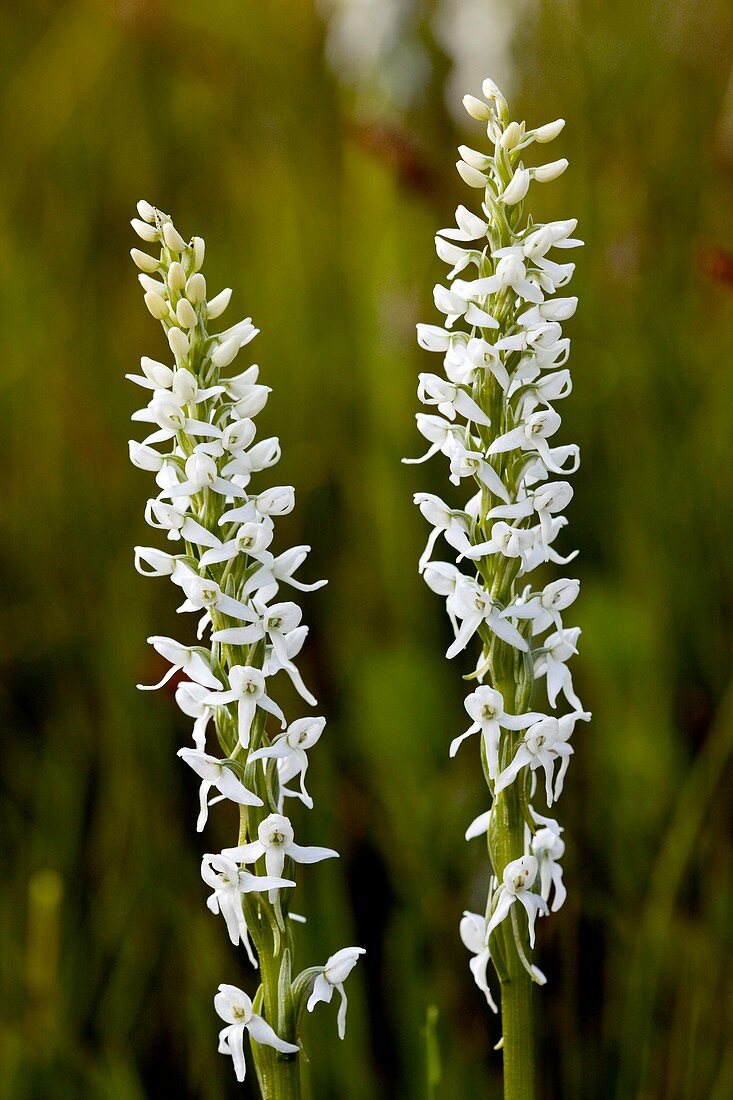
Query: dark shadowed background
pixel 313 148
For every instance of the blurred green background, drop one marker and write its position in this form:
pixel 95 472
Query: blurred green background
pixel 313 148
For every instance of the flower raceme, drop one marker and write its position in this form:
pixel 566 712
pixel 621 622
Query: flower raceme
pixel 203 451
pixel 493 417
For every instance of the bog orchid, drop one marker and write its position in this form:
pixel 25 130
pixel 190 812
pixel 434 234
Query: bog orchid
pixel 332 977
pixel 475 935
pixel 518 879
pixel 494 418
pixel 219 525
pixel 290 749
pixel 229 882
pixel 545 743
pixel 548 847
pixel 237 1011
pixel 275 842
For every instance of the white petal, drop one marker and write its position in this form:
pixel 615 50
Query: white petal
pixel 263 1034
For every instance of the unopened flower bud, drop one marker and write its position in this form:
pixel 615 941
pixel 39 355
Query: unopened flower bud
pixel 199 249
pixel 511 136
pixel 476 108
pixel 196 289
pixel 186 314
pixel 225 353
pixel 470 175
pixel 517 188
pixel 545 173
pixel 144 231
pixel 148 283
pixel 217 305
pixel 146 211
pixel 176 276
pixel 474 159
pixel 549 131
pixel 173 238
pixel 491 92
pixel 178 341
pixel 144 261
pixel 156 305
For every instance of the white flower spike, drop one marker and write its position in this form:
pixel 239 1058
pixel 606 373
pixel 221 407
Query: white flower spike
pixel 220 527
pixel 493 418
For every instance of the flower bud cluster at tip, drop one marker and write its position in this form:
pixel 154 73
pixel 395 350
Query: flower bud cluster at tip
pixel 203 451
pixel 492 414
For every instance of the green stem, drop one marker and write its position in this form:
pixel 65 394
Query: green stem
pixel 278 1074
pixel 518 1049
pixel 516 987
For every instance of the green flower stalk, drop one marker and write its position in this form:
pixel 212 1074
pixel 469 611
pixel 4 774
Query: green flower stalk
pixel 495 421
pixel 203 418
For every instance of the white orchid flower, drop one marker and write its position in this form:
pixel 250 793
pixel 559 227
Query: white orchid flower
pixel 486 707
pixel 229 882
pixel 469 227
pixel 275 626
pixel 215 773
pixel 275 841
pixel 439 432
pixel 548 847
pixel 201 473
pixel 247 690
pixel 452 524
pixel 332 977
pixel 252 539
pixel 544 744
pixel 273 571
pixel 167 412
pixel 557 650
pixel 475 937
pixel 455 305
pixel 204 594
pixel 192 660
pixel 517 882
pixel 543 608
pixel 510 274
pixel 235 1008
pixel 471 604
pixel 191 699
pixel 290 750
pixel 465 463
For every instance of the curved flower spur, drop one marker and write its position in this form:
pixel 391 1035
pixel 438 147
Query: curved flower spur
pixel 220 530
pixel 493 418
